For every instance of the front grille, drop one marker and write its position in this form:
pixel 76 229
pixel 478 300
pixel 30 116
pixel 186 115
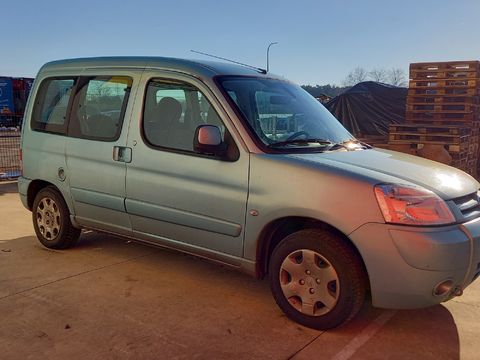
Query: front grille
pixel 468 205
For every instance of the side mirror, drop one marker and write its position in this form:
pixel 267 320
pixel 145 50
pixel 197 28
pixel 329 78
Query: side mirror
pixel 208 140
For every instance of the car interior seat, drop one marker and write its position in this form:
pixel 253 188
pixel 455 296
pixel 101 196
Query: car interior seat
pixel 163 127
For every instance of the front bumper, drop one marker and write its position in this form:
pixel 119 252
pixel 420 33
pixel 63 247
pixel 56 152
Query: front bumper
pixel 404 264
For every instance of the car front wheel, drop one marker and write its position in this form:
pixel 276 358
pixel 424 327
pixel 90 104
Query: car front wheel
pixel 317 279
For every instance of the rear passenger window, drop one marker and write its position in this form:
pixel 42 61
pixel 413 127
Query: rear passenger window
pixel 51 105
pixel 99 107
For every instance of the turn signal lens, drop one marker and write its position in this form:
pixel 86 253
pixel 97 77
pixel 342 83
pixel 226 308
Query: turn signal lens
pixel 412 205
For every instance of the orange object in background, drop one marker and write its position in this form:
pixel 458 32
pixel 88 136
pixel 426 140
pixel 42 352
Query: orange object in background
pixel 436 153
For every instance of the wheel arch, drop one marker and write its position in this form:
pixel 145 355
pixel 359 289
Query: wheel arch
pixel 33 189
pixel 36 186
pixel 278 229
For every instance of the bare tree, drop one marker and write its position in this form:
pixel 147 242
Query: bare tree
pixel 378 75
pixel 355 76
pixel 393 76
pixel 396 76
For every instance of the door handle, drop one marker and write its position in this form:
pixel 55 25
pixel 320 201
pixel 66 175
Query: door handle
pixel 122 154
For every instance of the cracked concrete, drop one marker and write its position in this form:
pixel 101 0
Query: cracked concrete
pixel 110 298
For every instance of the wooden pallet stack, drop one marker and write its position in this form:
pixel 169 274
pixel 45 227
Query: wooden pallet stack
pixel 442 112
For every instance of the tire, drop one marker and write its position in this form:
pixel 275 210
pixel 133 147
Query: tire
pixel 51 220
pixel 317 279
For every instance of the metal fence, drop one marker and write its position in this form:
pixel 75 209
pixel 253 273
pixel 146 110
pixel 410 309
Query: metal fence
pixel 10 162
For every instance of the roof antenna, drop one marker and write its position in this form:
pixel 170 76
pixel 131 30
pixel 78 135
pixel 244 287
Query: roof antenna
pixel 268 53
pixel 263 71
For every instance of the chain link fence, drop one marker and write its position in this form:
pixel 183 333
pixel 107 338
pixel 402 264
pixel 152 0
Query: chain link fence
pixel 10 161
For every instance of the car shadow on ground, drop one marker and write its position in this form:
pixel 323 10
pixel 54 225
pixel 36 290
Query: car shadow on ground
pixel 429 333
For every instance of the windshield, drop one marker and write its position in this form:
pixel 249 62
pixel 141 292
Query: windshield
pixel 282 114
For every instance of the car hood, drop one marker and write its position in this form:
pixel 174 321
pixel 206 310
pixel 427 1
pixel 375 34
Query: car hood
pixel 446 181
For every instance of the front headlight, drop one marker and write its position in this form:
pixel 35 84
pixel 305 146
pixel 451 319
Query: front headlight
pixel 412 205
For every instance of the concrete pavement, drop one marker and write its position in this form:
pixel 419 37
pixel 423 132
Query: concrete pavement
pixel 110 298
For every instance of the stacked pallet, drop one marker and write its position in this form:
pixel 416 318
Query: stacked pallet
pixel 442 112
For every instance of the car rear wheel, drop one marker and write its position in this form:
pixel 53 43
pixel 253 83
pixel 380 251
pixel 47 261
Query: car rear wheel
pixel 317 279
pixel 51 220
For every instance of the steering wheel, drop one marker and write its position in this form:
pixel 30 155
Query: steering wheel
pixel 295 135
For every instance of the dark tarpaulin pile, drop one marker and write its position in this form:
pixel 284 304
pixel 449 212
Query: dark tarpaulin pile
pixel 369 107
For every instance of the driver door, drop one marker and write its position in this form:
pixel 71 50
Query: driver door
pixel 175 196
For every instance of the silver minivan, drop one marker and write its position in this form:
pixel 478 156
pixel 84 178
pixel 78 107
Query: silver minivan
pixel 245 168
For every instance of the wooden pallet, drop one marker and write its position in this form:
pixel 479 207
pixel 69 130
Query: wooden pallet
pixel 443 92
pixel 442 99
pixel 380 145
pixel 452 116
pixel 459 162
pixel 433 129
pixel 439 122
pixel 438 138
pixel 442 107
pixel 460 159
pixel 473 149
pixel 417 144
pixel 443 74
pixel 458 83
pixel 471 65
pixel 404 148
pixel 469 166
pixel 374 140
pixel 462 165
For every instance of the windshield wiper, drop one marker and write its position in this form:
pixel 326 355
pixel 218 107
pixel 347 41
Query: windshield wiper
pixel 364 144
pixel 347 145
pixel 323 142
pixel 331 146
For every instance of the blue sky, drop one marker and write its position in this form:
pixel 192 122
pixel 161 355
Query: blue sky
pixel 319 41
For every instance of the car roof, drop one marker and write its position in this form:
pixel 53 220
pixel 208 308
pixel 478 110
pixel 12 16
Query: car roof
pixel 199 68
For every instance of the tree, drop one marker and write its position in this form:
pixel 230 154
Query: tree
pixel 330 90
pixel 396 76
pixel 355 76
pixel 378 75
pixel 393 76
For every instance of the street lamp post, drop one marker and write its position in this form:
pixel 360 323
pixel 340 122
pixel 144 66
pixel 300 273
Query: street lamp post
pixel 268 53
